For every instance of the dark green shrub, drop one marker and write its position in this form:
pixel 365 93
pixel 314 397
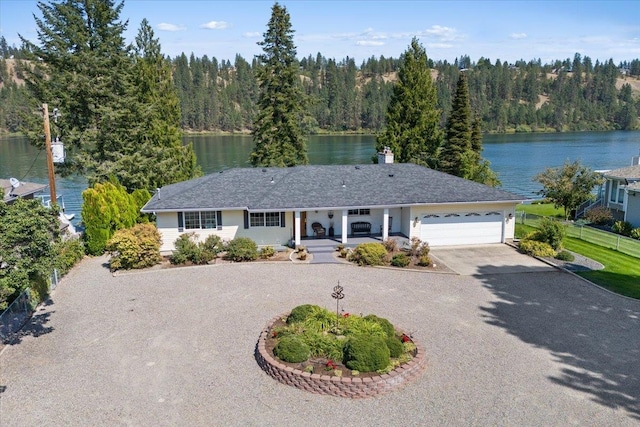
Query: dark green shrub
pixel 68 253
pixel 400 260
pixel 387 327
pixel 267 252
pixel 552 232
pixel 366 353
pixel 291 349
pixel 635 233
pixel 135 247
pixel 369 254
pixel 565 256
pixel 599 215
pixel 623 228
pixel 536 248
pixel 242 249
pixel 302 312
pixel 187 248
pixel 395 346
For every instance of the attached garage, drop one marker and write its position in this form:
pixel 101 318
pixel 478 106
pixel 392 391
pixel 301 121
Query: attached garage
pixel 466 228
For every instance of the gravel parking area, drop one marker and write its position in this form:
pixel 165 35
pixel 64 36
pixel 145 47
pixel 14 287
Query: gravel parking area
pixel 176 348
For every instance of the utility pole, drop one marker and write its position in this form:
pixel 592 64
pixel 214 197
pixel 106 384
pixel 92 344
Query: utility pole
pixel 47 143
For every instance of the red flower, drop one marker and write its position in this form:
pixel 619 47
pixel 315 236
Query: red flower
pixel 274 334
pixel 405 338
pixel 345 315
pixel 331 365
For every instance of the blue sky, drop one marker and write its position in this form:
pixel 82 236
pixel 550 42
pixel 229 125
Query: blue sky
pixel 505 30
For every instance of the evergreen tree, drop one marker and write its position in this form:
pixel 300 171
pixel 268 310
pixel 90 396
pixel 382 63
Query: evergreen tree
pixel 277 129
pixel 412 130
pixel 458 133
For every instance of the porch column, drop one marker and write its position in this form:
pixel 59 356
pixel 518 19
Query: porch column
pixel 385 224
pixel 345 216
pixel 296 231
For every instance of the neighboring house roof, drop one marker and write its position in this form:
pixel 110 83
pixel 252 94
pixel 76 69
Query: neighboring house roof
pixel 630 172
pixel 634 187
pixel 332 186
pixel 25 189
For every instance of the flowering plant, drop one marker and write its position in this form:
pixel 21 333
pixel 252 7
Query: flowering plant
pixel 345 315
pixel 405 338
pixel 331 365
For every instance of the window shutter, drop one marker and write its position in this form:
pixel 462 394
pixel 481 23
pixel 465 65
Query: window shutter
pixel 246 219
pixel 219 219
pixel 180 222
pixel 282 215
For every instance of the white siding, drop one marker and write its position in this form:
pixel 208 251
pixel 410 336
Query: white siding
pixel 632 213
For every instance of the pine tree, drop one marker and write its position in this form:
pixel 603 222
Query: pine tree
pixel 412 131
pixel 458 132
pixel 277 129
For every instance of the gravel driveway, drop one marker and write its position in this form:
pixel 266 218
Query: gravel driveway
pixel 175 348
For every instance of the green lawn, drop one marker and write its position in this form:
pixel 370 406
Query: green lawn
pixel 621 273
pixel 541 209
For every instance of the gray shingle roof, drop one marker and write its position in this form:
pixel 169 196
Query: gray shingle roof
pixel 331 186
pixel 630 172
pixel 25 189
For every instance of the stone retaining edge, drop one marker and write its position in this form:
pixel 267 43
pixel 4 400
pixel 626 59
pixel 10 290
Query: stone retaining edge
pixel 354 388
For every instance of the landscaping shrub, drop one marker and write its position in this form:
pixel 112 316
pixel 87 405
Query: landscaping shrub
pixel 135 247
pixel 189 249
pixel 565 256
pixel 424 261
pixel 395 346
pixel 599 215
pixel 387 327
pixel 302 312
pixel 323 345
pixel 68 253
pixel 242 249
pixel 267 252
pixel 400 260
pixel 536 248
pixel 635 233
pixel 623 228
pixel 366 353
pixel 418 248
pixel 369 254
pixel 391 245
pixel 551 232
pixel 291 349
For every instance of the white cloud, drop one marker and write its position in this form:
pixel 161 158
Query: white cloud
pixel 163 26
pixel 443 33
pixel 518 36
pixel 251 35
pixel 369 43
pixel 215 25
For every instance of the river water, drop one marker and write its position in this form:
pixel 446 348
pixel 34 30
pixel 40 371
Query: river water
pixel 516 158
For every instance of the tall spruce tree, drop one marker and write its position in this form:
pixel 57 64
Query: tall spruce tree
pixel 117 109
pixel 458 131
pixel 413 132
pixel 281 103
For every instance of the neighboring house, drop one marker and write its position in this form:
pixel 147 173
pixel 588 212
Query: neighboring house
pixel 14 189
pixel 621 192
pixel 277 206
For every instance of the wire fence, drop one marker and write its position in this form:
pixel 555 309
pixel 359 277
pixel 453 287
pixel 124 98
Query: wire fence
pixel 20 310
pixel 623 244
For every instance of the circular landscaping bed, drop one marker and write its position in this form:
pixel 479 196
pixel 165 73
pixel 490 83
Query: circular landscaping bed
pixel 339 355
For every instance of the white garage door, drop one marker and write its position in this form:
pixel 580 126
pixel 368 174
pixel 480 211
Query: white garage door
pixel 461 228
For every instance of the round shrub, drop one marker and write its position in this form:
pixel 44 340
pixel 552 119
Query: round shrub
pixel 135 247
pixel 635 233
pixel 395 346
pixel 552 232
pixel 291 349
pixel 565 256
pixel 386 326
pixel 369 254
pixel 535 248
pixel 267 252
pixel 400 260
pixel 424 261
pixel 623 228
pixel 366 353
pixel 599 215
pixel 302 312
pixel 242 249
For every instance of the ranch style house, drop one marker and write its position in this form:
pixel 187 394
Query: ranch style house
pixel 280 206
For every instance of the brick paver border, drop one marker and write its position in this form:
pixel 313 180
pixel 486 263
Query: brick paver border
pixel 354 388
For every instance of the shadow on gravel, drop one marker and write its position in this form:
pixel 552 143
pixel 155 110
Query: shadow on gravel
pixel 34 327
pixel 596 337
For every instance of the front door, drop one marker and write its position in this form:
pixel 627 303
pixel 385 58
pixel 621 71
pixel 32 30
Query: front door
pixel 303 224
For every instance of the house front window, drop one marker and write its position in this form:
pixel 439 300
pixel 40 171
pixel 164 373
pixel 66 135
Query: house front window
pixel 200 220
pixel 353 212
pixel 264 219
pixel 614 191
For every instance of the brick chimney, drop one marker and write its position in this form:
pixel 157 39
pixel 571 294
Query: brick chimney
pixel 386 156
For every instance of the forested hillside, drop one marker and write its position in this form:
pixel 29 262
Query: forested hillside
pixel 566 95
